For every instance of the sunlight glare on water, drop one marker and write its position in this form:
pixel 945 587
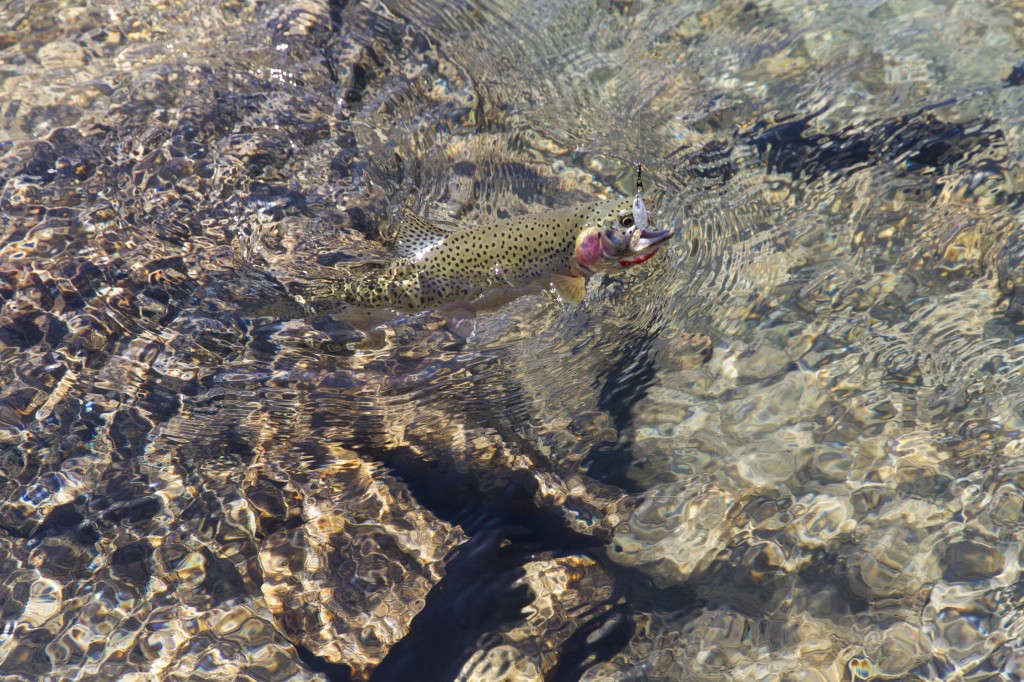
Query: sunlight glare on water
pixel 786 447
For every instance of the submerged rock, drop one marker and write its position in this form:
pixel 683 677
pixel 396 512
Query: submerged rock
pixel 787 449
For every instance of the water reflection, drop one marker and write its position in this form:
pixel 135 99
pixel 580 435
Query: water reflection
pixel 789 447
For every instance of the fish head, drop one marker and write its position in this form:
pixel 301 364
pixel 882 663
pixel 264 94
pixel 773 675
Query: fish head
pixel 616 235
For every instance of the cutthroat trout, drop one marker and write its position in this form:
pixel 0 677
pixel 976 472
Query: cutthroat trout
pixel 477 268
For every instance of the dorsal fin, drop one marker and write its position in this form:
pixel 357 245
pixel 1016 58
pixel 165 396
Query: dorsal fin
pixel 417 235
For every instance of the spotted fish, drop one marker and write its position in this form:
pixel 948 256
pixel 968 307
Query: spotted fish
pixel 483 266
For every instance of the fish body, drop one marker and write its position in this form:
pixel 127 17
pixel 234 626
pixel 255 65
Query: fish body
pixel 439 266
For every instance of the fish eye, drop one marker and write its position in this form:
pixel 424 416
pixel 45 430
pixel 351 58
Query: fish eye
pixel 626 220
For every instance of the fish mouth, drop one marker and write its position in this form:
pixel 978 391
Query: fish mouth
pixel 649 239
pixel 614 246
pixel 645 245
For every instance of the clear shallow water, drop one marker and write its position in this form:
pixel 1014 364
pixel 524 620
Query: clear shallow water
pixel 787 448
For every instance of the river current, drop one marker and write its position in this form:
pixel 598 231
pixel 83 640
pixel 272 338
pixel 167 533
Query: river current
pixel 789 447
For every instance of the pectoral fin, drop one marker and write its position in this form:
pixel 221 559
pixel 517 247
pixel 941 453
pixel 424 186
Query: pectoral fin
pixel 571 289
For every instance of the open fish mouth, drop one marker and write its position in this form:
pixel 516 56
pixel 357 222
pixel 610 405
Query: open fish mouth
pixel 649 239
pixel 645 244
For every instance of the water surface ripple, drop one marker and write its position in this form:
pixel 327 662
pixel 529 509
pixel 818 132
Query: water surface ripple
pixel 789 447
